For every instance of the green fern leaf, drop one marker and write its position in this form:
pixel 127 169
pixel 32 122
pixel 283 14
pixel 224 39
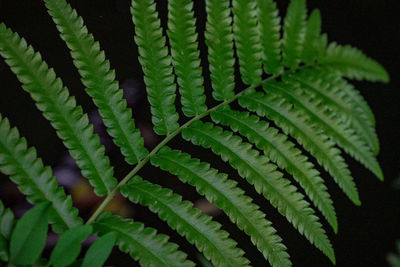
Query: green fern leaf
pixel 269 21
pixel 312 37
pixel 352 63
pixel 99 80
pixel 33 179
pixel 294 31
pixel 357 100
pixel 157 66
pixel 228 197
pixel 180 215
pixel 59 108
pixel 282 152
pixel 182 37
pixel 219 39
pixel 327 88
pixel 247 40
pixel 257 170
pixel 142 243
pixel 7 221
pixel 294 123
pixel 340 133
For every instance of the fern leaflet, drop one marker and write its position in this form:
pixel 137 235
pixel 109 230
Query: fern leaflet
pixel 257 170
pixel 99 80
pixel 293 122
pixel 180 215
pixel 228 197
pixel 182 37
pixel 157 66
pixel 59 108
pixel 142 243
pixel 282 152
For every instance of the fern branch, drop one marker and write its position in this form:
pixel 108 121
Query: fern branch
pixel 219 39
pixel 142 243
pixel 247 40
pixel 343 135
pixel 327 88
pixel 352 63
pixel 294 123
pixel 228 197
pixel 99 80
pixel 180 215
pixel 182 37
pixel 33 179
pixel 294 30
pixel 270 27
pixel 282 152
pixel 59 108
pixel 157 66
pixel 257 170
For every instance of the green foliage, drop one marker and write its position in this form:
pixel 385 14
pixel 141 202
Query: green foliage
pixel 29 235
pixel 69 245
pixel 312 106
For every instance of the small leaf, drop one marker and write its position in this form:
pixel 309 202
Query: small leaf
pixel 7 223
pixel 101 249
pixel 29 236
pixel 3 248
pixel 69 245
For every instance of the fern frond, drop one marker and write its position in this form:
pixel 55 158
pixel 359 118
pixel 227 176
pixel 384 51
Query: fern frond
pixel 180 215
pixel 294 31
pixel 7 221
pixel 247 40
pixel 157 66
pixel 59 108
pixel 99 80
pixel 219 40
pixel 270 27
pixel 352 63
pixel 33 179
pixel 257 170
pixel 282 152
pixel 312 39
pixel 340 132
pixel 185 56
pixel 218 189
pixel 296 124
pixel 327 88
pixel 142 243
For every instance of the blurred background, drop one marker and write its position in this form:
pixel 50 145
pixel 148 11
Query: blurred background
pixel 367 234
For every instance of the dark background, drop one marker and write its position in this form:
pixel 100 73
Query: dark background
pixel 366 233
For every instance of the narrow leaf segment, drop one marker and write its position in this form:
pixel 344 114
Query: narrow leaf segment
pixel 270 27
pixel 247 40
pixel 219 39
pixel 142 243
pixel 185 54
pixel 99 80
pixel 218 189
pixel 157 66
pixel 33 179
pixel 180 215
pixel 258 171
pixel 53 99
pixel 352 63
pixel 294 31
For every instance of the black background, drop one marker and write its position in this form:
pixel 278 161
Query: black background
pixel 366 233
